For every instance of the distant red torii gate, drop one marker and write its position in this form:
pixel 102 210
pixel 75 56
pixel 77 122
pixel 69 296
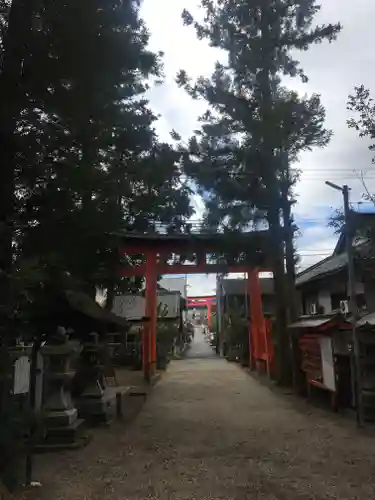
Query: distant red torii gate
pixel 207 301
pixel 157 247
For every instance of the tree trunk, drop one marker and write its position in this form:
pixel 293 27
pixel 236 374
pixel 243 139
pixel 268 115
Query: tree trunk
pixel 291 284
pixel 86 266
pixel 282 338
pixel 114 264
pixel 286 205
pixel 289 257
pixel 271 170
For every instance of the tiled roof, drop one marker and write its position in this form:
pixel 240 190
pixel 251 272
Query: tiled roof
pixel 238 286
pixel 337 261
pixel 368 319
pixel 312 321
pixel 325 267
pixel 85 305
pixel 331 264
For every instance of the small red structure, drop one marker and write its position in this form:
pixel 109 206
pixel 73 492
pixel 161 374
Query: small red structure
pixel 157 249
pixel 261 346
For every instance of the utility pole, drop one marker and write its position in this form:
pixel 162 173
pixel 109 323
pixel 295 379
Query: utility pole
pixel 352 302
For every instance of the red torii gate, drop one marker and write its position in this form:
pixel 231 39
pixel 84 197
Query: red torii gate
pixel 207 302
pixel 157 248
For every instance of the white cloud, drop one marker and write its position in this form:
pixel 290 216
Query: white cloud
pixel 205 284
pixel 182 50
pixel 179 43
pixel 333 70
pixel 316 243
pixel 200 285
pixel 199 207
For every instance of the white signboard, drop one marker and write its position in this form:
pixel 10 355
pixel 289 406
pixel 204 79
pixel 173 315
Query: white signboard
pixel 133 307
pixel 21 375
pixel 327 363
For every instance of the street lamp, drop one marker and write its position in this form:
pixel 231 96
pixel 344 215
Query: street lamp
pixel 352 301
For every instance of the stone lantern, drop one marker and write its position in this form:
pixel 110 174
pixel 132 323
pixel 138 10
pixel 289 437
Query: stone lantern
pixel 96 403
pixel 62 422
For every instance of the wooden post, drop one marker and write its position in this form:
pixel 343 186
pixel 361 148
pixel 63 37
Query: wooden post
pixel 151 310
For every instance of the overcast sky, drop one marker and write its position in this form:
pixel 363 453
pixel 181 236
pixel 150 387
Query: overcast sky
pixel 333 70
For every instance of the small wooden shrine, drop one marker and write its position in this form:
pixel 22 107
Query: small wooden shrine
pixel 323 354
pixel 317 363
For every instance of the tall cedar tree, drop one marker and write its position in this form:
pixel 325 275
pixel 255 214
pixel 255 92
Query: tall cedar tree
pixel 15 26
pixel 252 120
pixel 88 132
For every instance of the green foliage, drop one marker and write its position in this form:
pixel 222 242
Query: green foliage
pixel 162 310
pixel 166 333
pixel 337 221
pixel 236 324
pixel 100 168
pixel 89 163
pixel 362 105
pixel 252 121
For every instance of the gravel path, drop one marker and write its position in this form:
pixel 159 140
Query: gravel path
pixel 210 431
pixel 200 348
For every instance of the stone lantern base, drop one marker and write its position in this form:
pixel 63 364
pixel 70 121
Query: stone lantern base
pixel 63 427
pixel 65 435
pixel 97 405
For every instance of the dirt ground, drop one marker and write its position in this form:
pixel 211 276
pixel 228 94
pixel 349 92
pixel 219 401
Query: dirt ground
pixel 210 431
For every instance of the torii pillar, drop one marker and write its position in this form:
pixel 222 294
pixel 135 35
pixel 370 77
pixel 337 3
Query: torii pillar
pixel 258 341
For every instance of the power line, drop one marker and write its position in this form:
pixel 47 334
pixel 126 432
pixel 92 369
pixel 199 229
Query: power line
pixel 325 254
pixel 230 169
pixel 315 250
